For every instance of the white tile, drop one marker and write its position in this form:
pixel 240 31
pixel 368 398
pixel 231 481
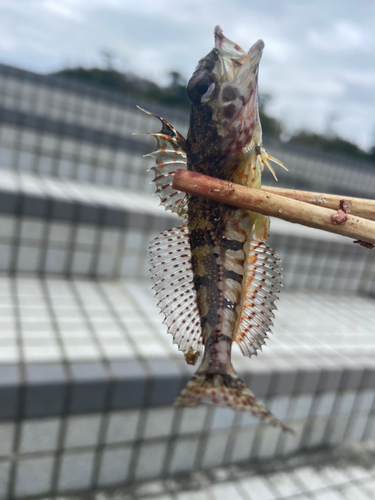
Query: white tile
pixel 225 491
pixel 55 261
pixel 194 495
pixel 151 350
pixel 82 431
pixel 6 252
pixel 81 264
pixel 364 400
pixel 34 476
pixel 284 484
pixel 358 472
pixel 310 478
pixel 47 352
pixel 148 488
pixel 151 460
pixel 291 443
pixel 318 428
pixel 279 406
pixel 346 402
pixel 7 226
pixel 257 488
pixel 244 441
pixel 159 422
pixel 28 259
pixel 269 441
pixel 325 404
pixel 184 454
pixel 122 426
pixel 335 475
pixel 75 471
pixel 222 418
pixel 356 428
pixel 302 406
pixel 192 420
pixel 115 351
pixel 339 425
pixel 86 235
pixel 82 352
pixel 31 229
pixel 328 495
pixel 59 232
pixel 114 467
pixel 248 420
pixel 4 480
pixel 7 430
pixel 78 334
pixel 9 354
pixel 354 491
pixel 214 451
pixel 31 335
pixel 39 435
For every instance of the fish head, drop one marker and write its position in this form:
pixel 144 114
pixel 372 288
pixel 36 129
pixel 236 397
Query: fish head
pixel 223 92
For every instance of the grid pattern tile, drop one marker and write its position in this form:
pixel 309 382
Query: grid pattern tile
pixel 57 127
pixel 87 373
pixel 345 473
pixel 61 320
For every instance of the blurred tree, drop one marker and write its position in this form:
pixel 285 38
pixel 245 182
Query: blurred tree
pixel 372 148
pixel 334 145
pixel 108 58
pixel 175 95
pixel 270 126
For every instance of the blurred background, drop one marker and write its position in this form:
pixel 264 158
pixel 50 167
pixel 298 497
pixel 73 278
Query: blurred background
pixel 88 374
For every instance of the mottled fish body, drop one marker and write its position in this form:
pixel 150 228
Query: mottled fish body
pixel 215 278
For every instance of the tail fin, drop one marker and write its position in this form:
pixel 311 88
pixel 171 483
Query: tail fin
pixel 228 391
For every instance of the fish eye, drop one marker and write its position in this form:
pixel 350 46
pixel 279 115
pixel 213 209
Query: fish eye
pixel 200 84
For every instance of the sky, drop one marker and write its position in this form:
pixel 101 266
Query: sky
pixel 318 64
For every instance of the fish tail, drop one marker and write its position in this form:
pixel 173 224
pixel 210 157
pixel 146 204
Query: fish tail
pixel 226 390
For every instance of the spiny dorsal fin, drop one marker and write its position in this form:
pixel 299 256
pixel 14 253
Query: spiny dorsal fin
pixel 263 284
pixel 170 155
pixel 172 274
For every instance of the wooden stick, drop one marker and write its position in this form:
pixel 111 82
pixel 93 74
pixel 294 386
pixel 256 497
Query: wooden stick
pixel 271 204
pixel 360 206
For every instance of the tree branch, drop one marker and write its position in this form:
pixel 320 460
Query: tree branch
pixel 360 206
pixel 268 203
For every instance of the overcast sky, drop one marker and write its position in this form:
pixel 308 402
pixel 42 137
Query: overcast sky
pixel 318 63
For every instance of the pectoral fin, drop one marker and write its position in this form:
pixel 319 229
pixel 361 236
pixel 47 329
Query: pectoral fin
pixel 172 274
pixel 263 284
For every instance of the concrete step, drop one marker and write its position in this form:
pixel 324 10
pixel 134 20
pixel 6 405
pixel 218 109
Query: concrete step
pixel 52 226
pixel 345 473
pixel 88 377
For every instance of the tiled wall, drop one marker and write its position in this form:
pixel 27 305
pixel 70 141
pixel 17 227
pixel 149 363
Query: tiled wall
pixel 108 421
pixel 35 245
pixel 59 127
pixel 87 373
pixel 64 454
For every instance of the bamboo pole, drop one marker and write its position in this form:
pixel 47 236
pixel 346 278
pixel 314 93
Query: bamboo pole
pixel 360 206
pixel 274 205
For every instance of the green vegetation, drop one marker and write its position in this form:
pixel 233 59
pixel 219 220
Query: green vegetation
pixel 334 145
pixel 175 95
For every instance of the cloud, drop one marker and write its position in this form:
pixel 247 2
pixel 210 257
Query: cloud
pixel 318 59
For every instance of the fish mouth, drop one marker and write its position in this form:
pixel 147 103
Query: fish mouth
pixel 238 66
pixel 256 51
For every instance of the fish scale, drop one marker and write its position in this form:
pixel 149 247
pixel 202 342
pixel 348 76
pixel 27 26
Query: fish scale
pixel 215 278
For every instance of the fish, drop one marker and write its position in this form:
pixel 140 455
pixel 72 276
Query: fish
pixel 215 278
